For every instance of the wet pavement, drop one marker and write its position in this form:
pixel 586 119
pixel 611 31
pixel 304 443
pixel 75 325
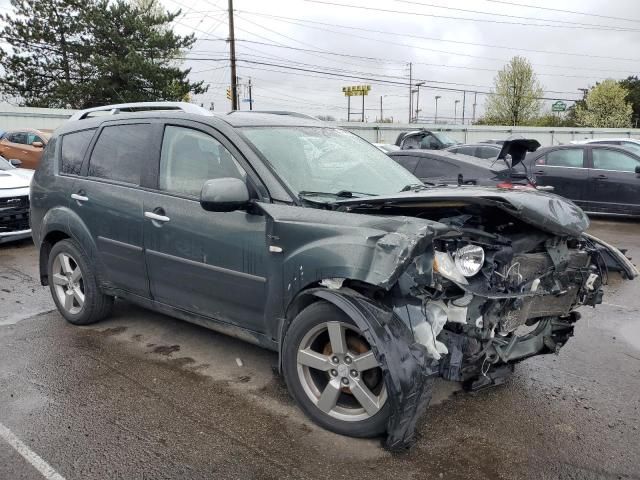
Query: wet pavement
pixel 145 396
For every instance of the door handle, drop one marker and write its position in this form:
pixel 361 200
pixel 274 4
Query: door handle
pixel 601 177
pixel 539 172
pixel 79 198
pixel 156 218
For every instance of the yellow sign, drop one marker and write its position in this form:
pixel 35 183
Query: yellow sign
pixel 356 90
pixel 229 93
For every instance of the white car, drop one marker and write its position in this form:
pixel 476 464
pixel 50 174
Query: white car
pixel 14 202
pixel 630 144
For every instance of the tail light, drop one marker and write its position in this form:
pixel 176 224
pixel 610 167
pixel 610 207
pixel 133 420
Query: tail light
pixel 511 186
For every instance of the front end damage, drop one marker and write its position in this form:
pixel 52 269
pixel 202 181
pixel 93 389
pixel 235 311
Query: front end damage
pixel 473 323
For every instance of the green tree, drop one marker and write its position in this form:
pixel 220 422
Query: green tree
pixel 606 106
pixel 83 53
pixel 632 85
pixel 515 99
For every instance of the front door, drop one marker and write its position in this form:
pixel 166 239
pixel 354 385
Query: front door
pixel 614 185
pixel 208 263
pixel 564 170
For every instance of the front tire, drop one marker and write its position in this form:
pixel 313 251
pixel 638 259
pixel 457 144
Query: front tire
pixel 332 373
pixel 74 286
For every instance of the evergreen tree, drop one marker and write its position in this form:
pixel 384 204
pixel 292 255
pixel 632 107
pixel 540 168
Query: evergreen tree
pixel 86 53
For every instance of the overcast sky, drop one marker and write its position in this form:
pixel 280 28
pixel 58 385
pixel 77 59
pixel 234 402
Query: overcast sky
pixel 571 51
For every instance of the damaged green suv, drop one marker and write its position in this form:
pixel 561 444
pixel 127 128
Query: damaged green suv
pixel 309 241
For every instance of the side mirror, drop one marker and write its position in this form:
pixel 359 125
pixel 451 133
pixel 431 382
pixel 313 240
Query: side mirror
pixel 37 144
pixel 15 162
pixel 224 195
pixel 638 170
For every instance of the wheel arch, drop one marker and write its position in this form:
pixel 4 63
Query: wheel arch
pixel 409 371
pixel 60 224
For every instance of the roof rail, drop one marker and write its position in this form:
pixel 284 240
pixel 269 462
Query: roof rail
pixel 278 112
pixel 139 107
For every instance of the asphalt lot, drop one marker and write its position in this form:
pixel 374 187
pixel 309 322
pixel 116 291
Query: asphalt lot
pixel 146 396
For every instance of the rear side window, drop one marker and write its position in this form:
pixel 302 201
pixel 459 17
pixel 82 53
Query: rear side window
pixel 18 137
pixel 407 162
pixel 563 158
pixel 611 160
pixel 74 146
pixel 120 152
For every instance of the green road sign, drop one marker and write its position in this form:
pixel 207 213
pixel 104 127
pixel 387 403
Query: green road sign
pixel 559 106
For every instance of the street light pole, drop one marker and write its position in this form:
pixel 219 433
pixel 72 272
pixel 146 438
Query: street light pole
pixel 436 116
pixel 232 59
pixel 381 117
pixel 455 111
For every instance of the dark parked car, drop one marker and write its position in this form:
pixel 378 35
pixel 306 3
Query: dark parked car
pixel 453 168
pixel 480 150
pixel 308 240
pixel 424 139
pixel 599 178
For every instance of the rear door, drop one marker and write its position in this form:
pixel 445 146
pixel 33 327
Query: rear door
pixel 614 185
pixel 108 199
pixel 209 263
pixel 436 170
pixel 565 170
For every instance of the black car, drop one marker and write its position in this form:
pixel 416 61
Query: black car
pixel 480 150
pixel 599 178
pixel 454 168
pixel 307 240
pixel 424 139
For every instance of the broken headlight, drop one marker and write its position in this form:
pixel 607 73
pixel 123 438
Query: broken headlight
pixel 469 259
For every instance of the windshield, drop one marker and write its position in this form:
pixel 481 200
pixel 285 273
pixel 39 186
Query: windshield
pixel 444 138
pixel 329 160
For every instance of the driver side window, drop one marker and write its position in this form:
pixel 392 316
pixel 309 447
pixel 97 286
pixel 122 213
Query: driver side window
pixel 190 157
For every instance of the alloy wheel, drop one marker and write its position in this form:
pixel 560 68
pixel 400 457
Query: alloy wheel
pixel 68 283
pixel 339 372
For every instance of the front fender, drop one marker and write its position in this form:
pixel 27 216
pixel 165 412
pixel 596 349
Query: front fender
pixel 408 371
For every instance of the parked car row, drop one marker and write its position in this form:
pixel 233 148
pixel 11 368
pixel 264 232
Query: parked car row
pixel 600 175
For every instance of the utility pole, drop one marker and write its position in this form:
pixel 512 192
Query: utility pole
pixel 410 91
pixel 436 117
pixel 250 97
pixel 363 108
pixel 455 111
pixel 475 102
pixel 232 57
pixel 464 103
pixel 381 117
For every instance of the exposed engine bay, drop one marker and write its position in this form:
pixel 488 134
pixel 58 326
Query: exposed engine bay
pixel 496 292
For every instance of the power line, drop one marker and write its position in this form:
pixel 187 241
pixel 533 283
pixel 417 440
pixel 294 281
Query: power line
pixel 626 72
pixel 486 20
pixel 505 15
pixel 296 21
pixel 564 11
pixel 357 77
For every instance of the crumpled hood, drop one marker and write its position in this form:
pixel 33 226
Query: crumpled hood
pixel 16 178
pixel 544 210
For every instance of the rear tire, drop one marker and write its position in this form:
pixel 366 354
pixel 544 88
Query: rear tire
pixel 74 286
pixel 342 391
